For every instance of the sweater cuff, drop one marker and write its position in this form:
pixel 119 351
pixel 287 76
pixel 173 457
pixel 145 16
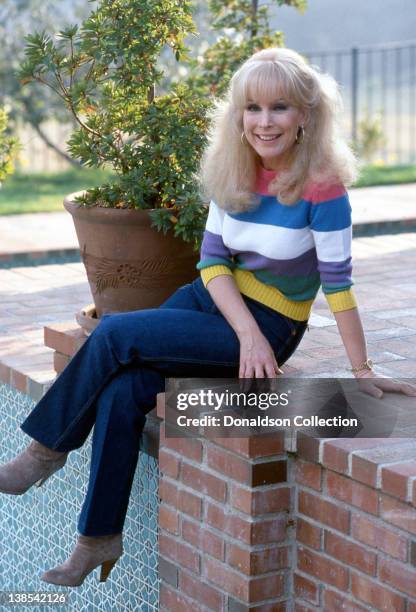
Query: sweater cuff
pixel 208 274
pixel 342 300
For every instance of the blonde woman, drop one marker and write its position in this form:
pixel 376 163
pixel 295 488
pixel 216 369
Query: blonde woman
pixel 279 226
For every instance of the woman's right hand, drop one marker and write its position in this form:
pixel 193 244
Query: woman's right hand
pixel 257 359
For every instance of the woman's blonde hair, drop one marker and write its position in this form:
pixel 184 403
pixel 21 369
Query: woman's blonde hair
pixel 229 164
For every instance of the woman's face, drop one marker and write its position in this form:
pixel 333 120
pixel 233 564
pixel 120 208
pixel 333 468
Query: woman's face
pixel 270 126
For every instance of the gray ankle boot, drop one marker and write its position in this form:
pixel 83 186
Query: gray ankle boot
pixel 33 466
pixel 89 553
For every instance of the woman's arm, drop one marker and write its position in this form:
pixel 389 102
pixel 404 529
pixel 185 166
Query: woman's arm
pixel 352 335
pixel 256 355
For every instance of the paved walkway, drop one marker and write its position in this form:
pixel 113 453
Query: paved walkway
pixel 31 297
pixel 39 233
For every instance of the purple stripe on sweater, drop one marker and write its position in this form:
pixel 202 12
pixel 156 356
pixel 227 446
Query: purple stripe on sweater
pixel 336 272
pixel 213 246
pixel 303 265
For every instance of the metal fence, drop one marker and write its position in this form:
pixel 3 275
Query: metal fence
pixel 378 85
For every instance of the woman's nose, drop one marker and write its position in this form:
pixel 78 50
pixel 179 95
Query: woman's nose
pixel 265 118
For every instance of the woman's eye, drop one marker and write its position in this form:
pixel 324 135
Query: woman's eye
pixel 275 107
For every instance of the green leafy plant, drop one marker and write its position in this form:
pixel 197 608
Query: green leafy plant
pixel 370 137
pixel 244 28
pixel 106 74
pixel 8 148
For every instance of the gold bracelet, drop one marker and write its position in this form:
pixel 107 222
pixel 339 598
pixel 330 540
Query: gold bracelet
pixel 366 365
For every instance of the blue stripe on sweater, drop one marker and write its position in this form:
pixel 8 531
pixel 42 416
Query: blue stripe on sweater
pixel 331 215
pixel 271 212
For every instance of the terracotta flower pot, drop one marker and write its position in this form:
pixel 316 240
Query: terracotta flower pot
pixel 129 264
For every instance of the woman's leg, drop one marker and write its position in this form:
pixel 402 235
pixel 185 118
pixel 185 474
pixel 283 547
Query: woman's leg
pixel 169 338
pixel 121 410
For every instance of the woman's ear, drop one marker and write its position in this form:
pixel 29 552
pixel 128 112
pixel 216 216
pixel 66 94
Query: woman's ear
pixel 304 117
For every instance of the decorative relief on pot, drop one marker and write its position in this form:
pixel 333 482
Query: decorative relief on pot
pixel 147 273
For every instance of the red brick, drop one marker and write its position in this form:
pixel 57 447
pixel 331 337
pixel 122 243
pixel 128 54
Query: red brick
pixel 161 405
pixel 204 483
pixel 300 607
pixel 401 577
pixel 4 373
pixel 257 562
pixel 175 602
pixel 263 607
pixel 254 446
pixel 247 590
pixel 308 474
pixel 322 568
pixel 254 502
pixel 60 362
pixel 168 519
pixel 336 452
pixel 18 380
pixel 366 464
pixel 351 492
pixel 266 587
pixel 374 594
pixel 395 478
pixel 182 554
pixel 334 601
pixel 308 534
pixel 250 532
pixel 168 463
pixel 203 539
pixel 201 592
pixel 397 513
pixel 324 511
pixel 411 606
pixel 178 498
pixel 244 471
pixel 376 535
pixel 350 553
pixel 306 589
pixel 191 448
pixel 227 579
pixel 307 448
pixel 64 338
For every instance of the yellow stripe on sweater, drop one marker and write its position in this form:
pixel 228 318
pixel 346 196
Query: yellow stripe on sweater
pixel 273 298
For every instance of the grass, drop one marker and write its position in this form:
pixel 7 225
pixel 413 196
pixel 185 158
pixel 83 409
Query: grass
pixel 386 175
pixel 45 192
pixel 26 193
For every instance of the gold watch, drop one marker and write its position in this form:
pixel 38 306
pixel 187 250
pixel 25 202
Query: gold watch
pixel 366 365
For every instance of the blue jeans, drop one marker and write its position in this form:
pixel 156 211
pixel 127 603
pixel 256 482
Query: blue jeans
pixel 113 380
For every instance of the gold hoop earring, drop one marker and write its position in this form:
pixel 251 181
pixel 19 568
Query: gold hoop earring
pixel 243 135
pixel 300 135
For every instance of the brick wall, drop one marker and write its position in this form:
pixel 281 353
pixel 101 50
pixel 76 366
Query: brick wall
pixel 247 525
pixel 224 519
pixel 356 525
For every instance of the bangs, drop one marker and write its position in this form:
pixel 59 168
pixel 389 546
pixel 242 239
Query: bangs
pixel 265 80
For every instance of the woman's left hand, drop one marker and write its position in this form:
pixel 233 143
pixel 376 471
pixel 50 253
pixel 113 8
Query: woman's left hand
pixel 373 384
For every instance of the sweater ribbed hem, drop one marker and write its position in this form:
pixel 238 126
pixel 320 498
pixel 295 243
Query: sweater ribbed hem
pixel 208 274
pixel 342 300
pixel 270 296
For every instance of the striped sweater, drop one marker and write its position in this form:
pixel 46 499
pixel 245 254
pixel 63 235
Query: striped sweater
pixel 280 255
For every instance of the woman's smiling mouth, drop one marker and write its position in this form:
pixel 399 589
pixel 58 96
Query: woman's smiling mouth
pixel 264 138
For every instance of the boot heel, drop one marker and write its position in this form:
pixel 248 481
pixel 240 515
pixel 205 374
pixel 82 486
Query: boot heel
pixel 106 568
